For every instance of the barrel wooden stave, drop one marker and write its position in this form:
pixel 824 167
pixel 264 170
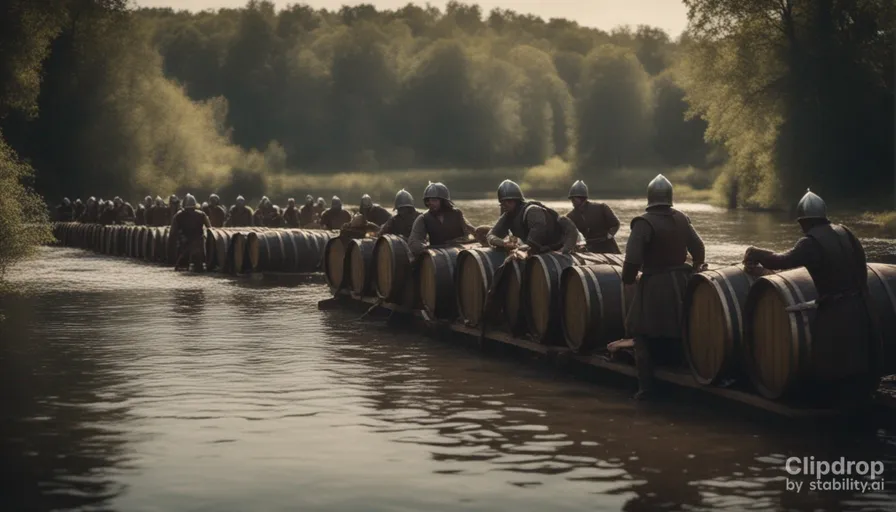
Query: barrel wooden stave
pixel 475 274
pixel 334 264
pixel 395 280
pixel 359 261
pixel 594 306
pixel 435 277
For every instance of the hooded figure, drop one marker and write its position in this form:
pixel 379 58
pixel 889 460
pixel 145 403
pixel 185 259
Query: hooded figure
pixel 124 212
pixel 320 207
pixel 141 217
pixel 335 217
pixel 842 323
pixel 216 213
pixel 188 231
pixel 442 224
pixel 596 221
pixel 240 215
pixel 77 210
pixel 157 214
pixel 534 224
pixel 107 213
pixel 91 211
pixel 291 214
pixel 261 211
pixel 64 211
pixel 403 221
pixel 373 213
pixel 307 214
pixel 660 241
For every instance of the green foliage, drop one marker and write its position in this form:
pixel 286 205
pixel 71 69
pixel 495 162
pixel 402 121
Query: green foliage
pixel 23 216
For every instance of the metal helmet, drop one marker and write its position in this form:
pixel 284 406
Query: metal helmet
pixel 290 202
pixel 214 200
pixel 510 190
pixel 336 203
pixel 78 201
pixel 265 201
pixel 204 205
pixel 91 200
pixel 189 201
pixel 366 201
pixel 240 201
pixel 578 189
pixel 159 201
pixel 309 199
pixel 436 190
pixel 116 201
pixel 66 201
pixel 321 202
pixel 659 192
pixel 173 199
pixel 811 206
pixel 403 198
pixel 147 201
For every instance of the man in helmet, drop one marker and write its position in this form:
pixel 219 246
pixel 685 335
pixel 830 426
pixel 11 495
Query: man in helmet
pixel 537 226
pixel 215 211
pixel 307 213
pixel 320 207
pixel 141 217
pixel 260 211
pixel 157 215
pixel 659 244
pixel 124 212
pixel 373 212
pixel 108 215
pixel 401 223
pixel 188 231
pixel 173 208
pixel 335 217
pixel 77 210
pixel 91 211
pixel 443 223
pixel 64 211
pixel 596 221
pixel 240 215
pixel 291 214
pixel 835 259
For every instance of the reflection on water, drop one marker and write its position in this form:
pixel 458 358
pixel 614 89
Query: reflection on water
pixel 132 387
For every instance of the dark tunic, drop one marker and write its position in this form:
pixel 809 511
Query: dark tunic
pixel 377 215
pixel 239 216
pixel 108 217
pixel 216 215
pixel 140 216
pixel 835 259
pixel 124 213
pixel 596 221
pixel 400 224
pixel 291 217
pixel 188 231
pixel 659 244
pixel 306 215
pixel 334 219
pixel 78 211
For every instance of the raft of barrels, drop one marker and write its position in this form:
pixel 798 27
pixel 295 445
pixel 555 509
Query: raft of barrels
pixel 736 322
pixel 227 250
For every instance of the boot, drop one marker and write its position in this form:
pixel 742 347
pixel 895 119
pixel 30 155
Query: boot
pixel 644 366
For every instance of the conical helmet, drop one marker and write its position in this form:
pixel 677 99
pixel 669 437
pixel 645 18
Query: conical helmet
pixel 159 201
pixel 214 200
pixel 366 201
pixel 66 201
pixel 436 190
pixel 321 202
pixel 205 205
pixel 147 201
pixel 173 199
pixel 309 199
pixel 510 190
pixel 240 201
pixel 578 189
pixel 403 198
pixel 811 206
pixel 336 203
pixel 291 202
pixel 189 201
pixel 659 192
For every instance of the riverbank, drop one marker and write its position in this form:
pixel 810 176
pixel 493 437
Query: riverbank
pixel 886 221
pixel 548 181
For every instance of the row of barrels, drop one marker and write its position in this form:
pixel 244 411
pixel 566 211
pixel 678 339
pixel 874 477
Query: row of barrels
pixel 736 322
pixel 227 250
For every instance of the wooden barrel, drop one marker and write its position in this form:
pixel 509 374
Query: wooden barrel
pixel 474 277
pixel 121 240
pixel 541 295
pixel 359 262
pixel 334 264
pixel 784 355
pixel 713 322
pixel 435 278
pixel 306 249
pixel 237 252
pixel 593 305
pixel 882 291
pixel 394 282
pixel 512 288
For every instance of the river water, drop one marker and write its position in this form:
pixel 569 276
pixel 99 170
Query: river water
pixel 130 387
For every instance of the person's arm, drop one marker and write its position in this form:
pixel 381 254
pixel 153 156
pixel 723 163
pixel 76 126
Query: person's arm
pixel 803 254
pixel 570 234
pixel 418 237
pixel 386 229
pixel 612 221
pixel 634 250
pixel 696 247
pixel 496 235
pixel 538 228
pixel 206 221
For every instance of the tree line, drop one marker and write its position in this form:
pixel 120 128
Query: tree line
pixel 764 97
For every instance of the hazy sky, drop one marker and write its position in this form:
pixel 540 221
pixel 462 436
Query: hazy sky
pixel 669 15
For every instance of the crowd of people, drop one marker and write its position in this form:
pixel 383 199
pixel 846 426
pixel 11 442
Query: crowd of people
pixel 657 249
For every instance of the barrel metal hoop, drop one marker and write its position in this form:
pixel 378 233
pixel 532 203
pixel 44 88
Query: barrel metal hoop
pixel 725 309
pixel 886 286
pixel 600 298
pixel 805 317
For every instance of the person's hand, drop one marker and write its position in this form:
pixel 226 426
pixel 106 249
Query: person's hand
pixel 702 267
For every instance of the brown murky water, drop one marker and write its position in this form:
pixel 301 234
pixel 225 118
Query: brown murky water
pixel 129 387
